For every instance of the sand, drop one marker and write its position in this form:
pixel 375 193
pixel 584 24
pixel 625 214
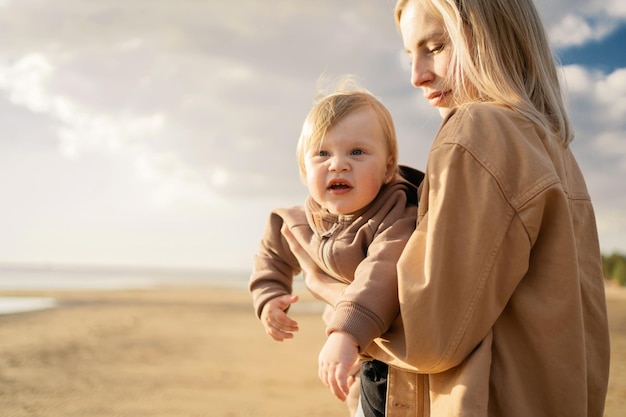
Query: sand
pixel 191 352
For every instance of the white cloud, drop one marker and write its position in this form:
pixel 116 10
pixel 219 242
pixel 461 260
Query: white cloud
pixel 613 142
pixel 598 110
pixel 588 90
pixel 578 80
pixel 615 8
pixel 576 30
pixel 25 82
pixel 611 91
pixel 576 22
pixel 197 106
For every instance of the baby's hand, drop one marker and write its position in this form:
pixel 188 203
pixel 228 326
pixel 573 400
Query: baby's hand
pixel 338 363
pixel 278 325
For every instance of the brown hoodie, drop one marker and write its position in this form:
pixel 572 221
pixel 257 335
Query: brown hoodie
pixel 360 249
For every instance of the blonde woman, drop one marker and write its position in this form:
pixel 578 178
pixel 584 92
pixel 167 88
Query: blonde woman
pixel 502 307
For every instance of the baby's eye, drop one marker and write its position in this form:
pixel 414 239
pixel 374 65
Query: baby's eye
pixel 357 152
pixel 323 153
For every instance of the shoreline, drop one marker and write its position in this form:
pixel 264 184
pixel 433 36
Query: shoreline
pixel 14 305
pixel 15 299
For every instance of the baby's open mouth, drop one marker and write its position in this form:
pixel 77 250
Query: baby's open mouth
pixel 339 186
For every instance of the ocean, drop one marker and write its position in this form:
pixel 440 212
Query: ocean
pixel 26 278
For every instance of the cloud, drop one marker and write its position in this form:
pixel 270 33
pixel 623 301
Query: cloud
pixel 200 104
pixel 215 83
pixel 597 108
pixel 613 7
pixel 29 82
pixel 24 82
pixel 605 94
pixel 576 30
pixel 611 91
pixel 577 22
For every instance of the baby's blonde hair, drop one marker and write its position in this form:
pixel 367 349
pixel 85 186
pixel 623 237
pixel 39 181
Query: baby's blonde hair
pixel 331 108
pixel 501 54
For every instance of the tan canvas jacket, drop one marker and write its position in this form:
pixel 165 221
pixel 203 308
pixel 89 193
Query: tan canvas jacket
pixel 501 290
pixel 361 250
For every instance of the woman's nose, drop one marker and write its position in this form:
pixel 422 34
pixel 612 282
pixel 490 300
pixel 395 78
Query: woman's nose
pixel 420 73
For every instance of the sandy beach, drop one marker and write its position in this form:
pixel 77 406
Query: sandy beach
pixel 182 352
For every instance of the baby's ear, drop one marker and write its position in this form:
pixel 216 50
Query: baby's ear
pixel 392 170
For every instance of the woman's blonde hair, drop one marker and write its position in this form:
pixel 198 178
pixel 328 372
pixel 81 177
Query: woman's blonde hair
pixel 501 54
pixel 330 109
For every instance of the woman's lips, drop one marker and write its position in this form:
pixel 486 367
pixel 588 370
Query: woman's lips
pixel 437 97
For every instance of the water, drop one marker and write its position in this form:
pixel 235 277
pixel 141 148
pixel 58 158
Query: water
pixel 9 305
pixel 39 278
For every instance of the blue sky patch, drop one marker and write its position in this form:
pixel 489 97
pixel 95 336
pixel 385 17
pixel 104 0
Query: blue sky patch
pixel 606 55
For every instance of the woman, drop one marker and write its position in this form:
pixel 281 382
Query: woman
pixel 502 308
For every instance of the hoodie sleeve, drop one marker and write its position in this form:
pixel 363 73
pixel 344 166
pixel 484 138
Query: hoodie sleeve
pixel 274 266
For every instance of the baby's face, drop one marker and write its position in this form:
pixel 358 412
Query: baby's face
pixel 347 171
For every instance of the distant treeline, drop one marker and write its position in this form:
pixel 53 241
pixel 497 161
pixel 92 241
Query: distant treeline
pixel 614 268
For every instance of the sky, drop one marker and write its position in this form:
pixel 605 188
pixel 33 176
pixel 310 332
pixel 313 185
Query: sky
pixel 156 133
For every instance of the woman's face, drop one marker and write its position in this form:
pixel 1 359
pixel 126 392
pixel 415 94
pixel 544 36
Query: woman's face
pixel 429 47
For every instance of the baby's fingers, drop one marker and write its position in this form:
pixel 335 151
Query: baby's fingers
pixel 280 329
pixel 279 335
pixel 336 379
pixel 341 384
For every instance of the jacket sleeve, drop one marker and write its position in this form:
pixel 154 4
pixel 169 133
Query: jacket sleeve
pixel 468 254
pixel 369 304
pixel 274 266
